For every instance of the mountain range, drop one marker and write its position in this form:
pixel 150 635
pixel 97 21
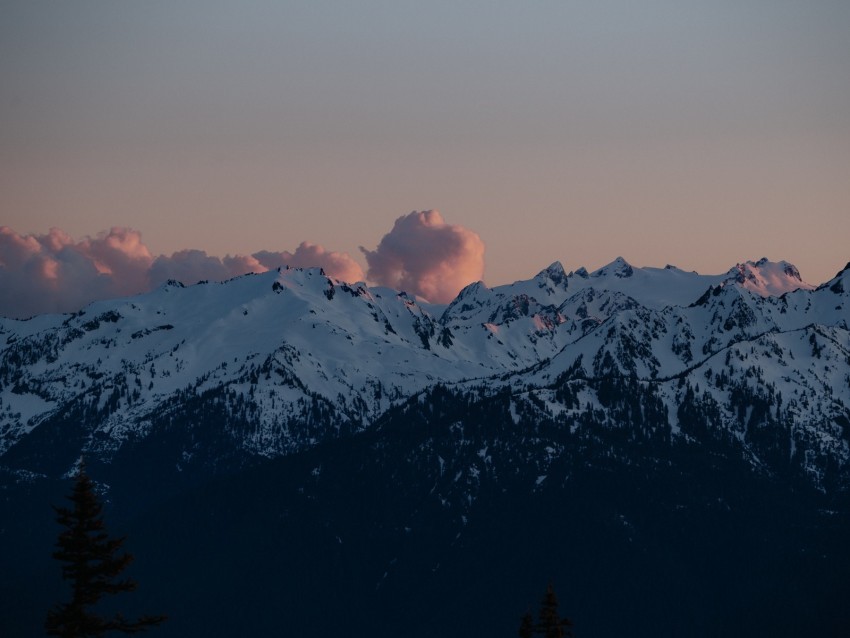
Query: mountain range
pixel 672 449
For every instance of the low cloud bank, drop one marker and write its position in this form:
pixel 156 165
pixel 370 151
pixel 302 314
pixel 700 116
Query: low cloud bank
pixel 337 265
pixel 55 273
pixel 424 255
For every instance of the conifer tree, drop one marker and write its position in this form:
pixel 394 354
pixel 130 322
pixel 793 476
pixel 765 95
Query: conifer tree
pixel 92 564
pixel 550 624
pixel 526 628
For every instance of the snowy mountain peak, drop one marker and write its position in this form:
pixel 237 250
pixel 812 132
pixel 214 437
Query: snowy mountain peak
pixel 555 272
pixel 767 278
pixel 548 281
pixel 471 291
pixel 844 272
pixel 172 283
pixel 582 272
pixel 840 283
pixel 618 268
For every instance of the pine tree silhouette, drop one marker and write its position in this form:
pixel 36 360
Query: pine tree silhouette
pixel 92 564
pixel 526 628
pixel 550 624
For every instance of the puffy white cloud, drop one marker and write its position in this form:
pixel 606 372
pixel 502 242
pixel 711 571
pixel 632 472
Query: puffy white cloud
pixel 55 273
pixel 424 255
pixel 307 255
pixel 121 254
pixel 190 267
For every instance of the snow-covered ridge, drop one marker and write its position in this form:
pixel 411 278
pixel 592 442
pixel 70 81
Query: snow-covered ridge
pixel 295 356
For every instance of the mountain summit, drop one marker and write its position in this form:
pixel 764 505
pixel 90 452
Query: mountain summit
pixel 768 278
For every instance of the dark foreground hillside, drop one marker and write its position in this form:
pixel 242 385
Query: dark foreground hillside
pixel 449 520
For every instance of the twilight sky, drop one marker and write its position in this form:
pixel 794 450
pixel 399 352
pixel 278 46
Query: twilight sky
pixel 694 133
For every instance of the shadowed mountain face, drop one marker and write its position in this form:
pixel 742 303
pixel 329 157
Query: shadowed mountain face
pixel 289 454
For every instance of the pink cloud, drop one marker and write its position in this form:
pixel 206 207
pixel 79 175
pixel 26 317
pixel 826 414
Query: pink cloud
pixel 55 273
pixel 15 249
pixel 191 266
pixel 424 255
pixel 188 266
pixel 120 253
pixel 240 264
pixel 336 265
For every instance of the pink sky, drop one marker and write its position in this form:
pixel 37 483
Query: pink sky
pixel 700 136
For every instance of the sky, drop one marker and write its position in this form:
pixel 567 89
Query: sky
pixel 197 135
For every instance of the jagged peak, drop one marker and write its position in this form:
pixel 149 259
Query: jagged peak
pixel 767 278
pixel 617 268
pixel 840 283
pixel 555 271
pixel 581 272
pixel 471 290
pixel 725 289
pixel 552 277
pixel 475 285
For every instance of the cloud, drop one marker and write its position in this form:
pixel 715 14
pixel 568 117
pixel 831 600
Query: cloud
pixel 120 254
pixel 337 265
pixel 424 255
pixel 192 266
pixel 55 273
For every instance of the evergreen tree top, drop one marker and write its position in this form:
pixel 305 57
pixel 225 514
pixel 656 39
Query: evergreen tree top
pixel 549 624
pixel 91 563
